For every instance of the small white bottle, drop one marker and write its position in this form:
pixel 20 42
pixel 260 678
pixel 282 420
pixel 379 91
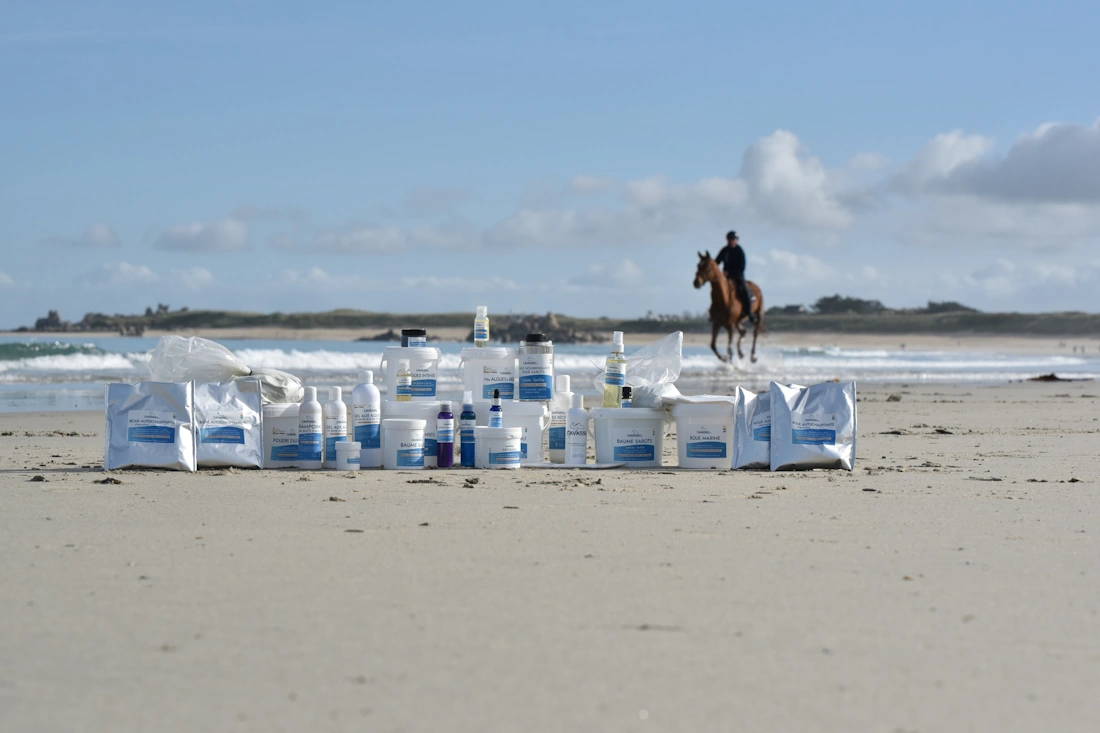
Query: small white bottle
pixel 310 442
pixel 481 326
pixel 404 382
pixel 366 420
pixel 615 375
pixel 576 433
pixel 336 425
pixel 559 406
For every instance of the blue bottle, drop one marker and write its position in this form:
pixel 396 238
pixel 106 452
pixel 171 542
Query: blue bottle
pixel 467 421
pixel 496 415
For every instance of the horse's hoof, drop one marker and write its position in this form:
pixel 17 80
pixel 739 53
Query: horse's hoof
pixel 754 359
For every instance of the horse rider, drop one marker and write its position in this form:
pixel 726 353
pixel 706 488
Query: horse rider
pixel 732 259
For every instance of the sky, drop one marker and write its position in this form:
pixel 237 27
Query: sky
pixel 570 157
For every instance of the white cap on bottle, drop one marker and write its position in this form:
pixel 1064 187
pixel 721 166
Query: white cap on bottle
pixel 482 311
pixel 311 395
pixel 617 340
pixel 335 394
pixel 468 399
pixel 403 364
pixel 578 400
pixel 561 383
pixel 366 377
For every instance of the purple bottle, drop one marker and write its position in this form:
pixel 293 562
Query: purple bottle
pixel 445 436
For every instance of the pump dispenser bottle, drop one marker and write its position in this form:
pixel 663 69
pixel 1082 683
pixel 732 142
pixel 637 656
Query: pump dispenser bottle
pixel 404 382
pixel 615 375
pixel 366 420
pixel 467 422
pixel 481 326
pixel 310 419
pixel 336 425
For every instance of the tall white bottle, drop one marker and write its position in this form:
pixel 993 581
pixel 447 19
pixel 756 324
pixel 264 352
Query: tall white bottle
pixel 310 420
pixel 559 406
pixel 366 420
pixel 576 433
pixel 336 424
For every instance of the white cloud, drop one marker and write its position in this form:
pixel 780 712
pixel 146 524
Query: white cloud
pixel 939 157
pixel 251 212
pixel 96 236
pixel 6 281
pixel 800 268
pixel 618 275
pixel 224 235
pixel 120 273
pixel 194 278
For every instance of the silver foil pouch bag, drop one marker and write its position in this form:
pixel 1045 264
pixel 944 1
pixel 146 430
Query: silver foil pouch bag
pixel 752 429
pixel 229 423
pixel 813 427
pixel 150 425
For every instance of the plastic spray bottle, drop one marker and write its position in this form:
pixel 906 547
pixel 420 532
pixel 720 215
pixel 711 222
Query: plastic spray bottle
pixel 481 326
pixel 496 415
pixel 576 433
pixel 445 436
pixel 366 420
pixel 628 397
pixel 615 375
pixel 559 406
pixel 467 422
pixel 310 419
pixel 404 382
pixel 336 425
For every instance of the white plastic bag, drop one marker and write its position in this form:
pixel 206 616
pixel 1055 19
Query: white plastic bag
pixel 194 359
pixel 651 371
pixel 813 427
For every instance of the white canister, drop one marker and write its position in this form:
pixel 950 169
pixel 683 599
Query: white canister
pixel 487 368
pixel 497 447
pixel 424 364
pixel 281 435
pixel 631 435
pixel 347 456
pixel 704 434
pixel 533 418
pixel 403 444
pixel 428 412
pixel 535 369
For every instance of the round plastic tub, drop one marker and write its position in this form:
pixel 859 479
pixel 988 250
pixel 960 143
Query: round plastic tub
pixel 424 363
pixel 403 444
pixel 427 411
pixel 281 435
pixel 533 418
pixel 347 456
pixel 631 435
pixel 704 434
pixel 497 447
pixel 488 368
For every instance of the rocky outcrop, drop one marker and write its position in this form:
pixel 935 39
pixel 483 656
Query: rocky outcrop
pixel 513 329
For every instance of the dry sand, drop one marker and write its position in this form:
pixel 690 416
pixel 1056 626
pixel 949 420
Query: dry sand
pixel 949 583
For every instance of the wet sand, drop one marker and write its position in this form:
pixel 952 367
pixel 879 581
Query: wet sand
pixel 949 583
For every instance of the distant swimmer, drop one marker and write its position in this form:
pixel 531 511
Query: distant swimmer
pixel 732 259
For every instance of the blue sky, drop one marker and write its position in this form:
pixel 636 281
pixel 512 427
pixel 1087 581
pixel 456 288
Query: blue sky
pixel 571 157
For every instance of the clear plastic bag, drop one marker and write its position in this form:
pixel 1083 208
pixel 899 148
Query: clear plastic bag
pixel 193 359
pixel 651 371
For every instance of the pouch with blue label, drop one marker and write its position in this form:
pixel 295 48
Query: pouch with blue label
pixel 752 429
pixel 229 423
pixel 150 425
pixel 813 427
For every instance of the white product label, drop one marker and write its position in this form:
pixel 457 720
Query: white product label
pixel 502 378
pixel 445 430
pixel 223 427
pixel 284 441
pixel 336 431
pixel 410 453
pixel 481 330
pixel 309 438
pixel 367 422
pixel 706 441
pixel 557 429
pixel 818 429
pixel 634 444
pixel 424 380
pixel 151 426
pixel 536 377
pixel 615 375
pixel 576 442
pixel 418 341
pixel 762 427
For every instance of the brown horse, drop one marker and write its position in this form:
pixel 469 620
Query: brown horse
pixel 725 307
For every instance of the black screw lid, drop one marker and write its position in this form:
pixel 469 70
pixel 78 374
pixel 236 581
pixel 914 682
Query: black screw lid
pixel 536 338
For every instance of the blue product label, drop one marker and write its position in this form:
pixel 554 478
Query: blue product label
pixel 222 435
pixel 504 458
pixel 431 447
pixel 330 446
pixel 368 436
pixel 423 388
pixel 523 451
pixel 404 390
pixel 309 446
pixel 496 419
pixel 353 459
pixel 152 434
pixel 507 390
pixel 481 333
pixel 445 436
pixel 643 452
pixel 557 438
pixel 536 387
pixel 410 457
pixel 284 453
pixel 763 434
pixel 614 379
pixel 706 449
pixel 813 436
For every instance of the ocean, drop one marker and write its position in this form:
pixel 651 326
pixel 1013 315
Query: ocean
pixel 67 373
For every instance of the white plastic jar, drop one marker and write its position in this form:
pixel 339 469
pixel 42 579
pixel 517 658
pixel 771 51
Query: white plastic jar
pixel 704 434
pixel 428 411
pixel 347 456
pixel 423 363
pixel 281 435
pixel 487 368
pixel 631 435
pixel 497 447
pixel 533 418
pixel 403 444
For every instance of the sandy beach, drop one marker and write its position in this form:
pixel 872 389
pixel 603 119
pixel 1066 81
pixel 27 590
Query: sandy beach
pixel 948 583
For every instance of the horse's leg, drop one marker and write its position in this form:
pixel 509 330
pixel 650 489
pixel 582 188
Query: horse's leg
pixel 740 337
pixel 714 339
pixel 755 332
pixel 729 342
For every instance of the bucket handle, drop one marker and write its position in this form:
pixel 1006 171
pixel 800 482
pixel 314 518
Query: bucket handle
pixel 544 420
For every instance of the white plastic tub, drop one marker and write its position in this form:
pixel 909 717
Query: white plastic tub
pixel 281 435
pixel 533 418
pixel 497 447
pixel 704 434
pixel 403 444
pixel 424 363
pixel 347 456
pixel 488 368
pixel 427 411
pixel 631 435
